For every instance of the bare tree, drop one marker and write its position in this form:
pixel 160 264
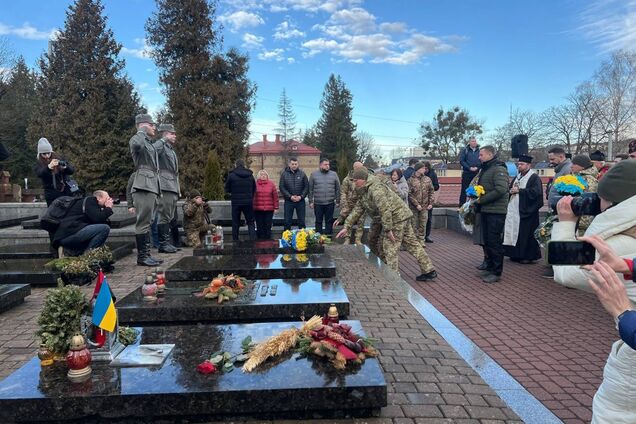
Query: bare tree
pixel 7 60
pixel 529 123
pixel 366 146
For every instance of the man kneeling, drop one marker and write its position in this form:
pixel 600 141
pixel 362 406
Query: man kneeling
pixel 85 225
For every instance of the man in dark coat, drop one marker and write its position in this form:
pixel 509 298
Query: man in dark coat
pixel 430 173
pixel 522 219
pixel 241 185
pixel 85 225
pixel 294 186
pixel 493 206
pixel 408 172
pixel 469 160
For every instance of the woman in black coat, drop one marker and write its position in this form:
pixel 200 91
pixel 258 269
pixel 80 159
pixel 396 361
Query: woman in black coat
pixel 53 171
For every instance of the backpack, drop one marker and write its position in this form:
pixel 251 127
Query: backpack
pixel 57 211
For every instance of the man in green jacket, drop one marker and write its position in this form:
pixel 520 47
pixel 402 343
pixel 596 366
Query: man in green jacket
pixel 377 199
pixel 493 205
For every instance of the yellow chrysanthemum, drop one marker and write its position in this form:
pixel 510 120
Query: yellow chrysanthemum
pixel 480 190
pixel 287 235
pixel 301 257
pixel 301 241
pixel 570 179
pixel 286 258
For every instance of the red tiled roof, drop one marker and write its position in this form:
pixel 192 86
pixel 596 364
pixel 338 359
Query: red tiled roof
pixel 276 147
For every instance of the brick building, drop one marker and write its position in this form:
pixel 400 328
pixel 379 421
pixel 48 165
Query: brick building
pixel 270 156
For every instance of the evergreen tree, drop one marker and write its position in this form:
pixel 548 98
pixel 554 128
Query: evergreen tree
pixel 286 116
pixel 448 132
pixel 213 182
pixel 86 106
pixel 335 127
pixel 209 97
pixel 310 137
pixel 15 112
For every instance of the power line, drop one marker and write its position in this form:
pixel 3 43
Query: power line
pixel 265 128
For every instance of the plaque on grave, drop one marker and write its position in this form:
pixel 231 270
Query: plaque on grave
pixel 261 300
pixel 286 386
pixel 258 266
pixel 253 247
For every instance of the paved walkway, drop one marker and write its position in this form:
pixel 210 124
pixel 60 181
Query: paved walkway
pixel 553 340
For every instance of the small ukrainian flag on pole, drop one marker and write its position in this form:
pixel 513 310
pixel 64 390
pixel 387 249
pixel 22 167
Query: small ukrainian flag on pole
pixel 104 315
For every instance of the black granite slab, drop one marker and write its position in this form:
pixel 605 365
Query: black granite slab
pixel 276 222
pixel 120 249
pixel 287 386
pixel 116 221
pixel 262 300
pixel 12 295
pixel 253 247
pixel 10 222
pixel 27 271
pixel 259 266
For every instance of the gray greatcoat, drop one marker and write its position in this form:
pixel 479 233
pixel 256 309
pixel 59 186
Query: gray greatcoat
pixel 146 163
pixel 168 166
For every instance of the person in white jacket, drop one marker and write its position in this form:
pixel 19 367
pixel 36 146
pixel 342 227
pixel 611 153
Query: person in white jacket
pixel 613 402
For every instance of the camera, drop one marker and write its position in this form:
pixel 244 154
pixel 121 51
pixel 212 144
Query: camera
pixel 116 201
pixel 585 204
pixel 61 163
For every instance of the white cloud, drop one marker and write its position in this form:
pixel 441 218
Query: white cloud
pixel 142 52
pixel 28 32
pixel 241 19
pixel 277 54
pixel 610 24
pixel 396 27
pixel 291 60
pixel 251 41
pixel 286 30
pixel 356 20
pixel 319 45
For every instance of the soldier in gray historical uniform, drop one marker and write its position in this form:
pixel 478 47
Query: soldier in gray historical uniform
pixel 145 186
pixel 169 179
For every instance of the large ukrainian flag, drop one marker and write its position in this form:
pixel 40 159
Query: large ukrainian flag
pixel 104 315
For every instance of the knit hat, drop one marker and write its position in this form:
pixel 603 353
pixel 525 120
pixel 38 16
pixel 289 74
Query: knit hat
pixel 582 161
pixel 417 166
pixel 194 194
pixel 360 174
pixel 597 155
pixel 619 183
pixel 44 146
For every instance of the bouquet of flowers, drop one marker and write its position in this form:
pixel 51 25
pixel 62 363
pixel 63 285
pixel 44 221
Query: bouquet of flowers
pixel 570 185
pixel 467 210
pixel 543 233
pixel 300 239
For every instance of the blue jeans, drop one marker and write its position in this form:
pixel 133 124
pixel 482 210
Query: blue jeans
pixel 326 212
pixel 290 207
pixel 89 237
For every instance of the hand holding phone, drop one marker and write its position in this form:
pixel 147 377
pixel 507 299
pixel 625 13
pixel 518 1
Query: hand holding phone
pixel 571 252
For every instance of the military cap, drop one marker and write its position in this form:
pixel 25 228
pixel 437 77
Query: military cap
pixel 143 118
pixel 597 155
pixel 360 174
pixel 194 193
pixel 582 160
pixel 418 166
pixel 166 128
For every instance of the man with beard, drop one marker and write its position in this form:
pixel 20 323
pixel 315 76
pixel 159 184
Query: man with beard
pixel 522 219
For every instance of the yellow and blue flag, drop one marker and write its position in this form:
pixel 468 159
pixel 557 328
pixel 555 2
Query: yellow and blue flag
pixel 104 315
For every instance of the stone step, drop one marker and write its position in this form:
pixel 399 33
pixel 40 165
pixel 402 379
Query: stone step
pixel 116 221
pixel 253 266
pixel 120 249
pixel 11 222
pixel 262 300
pixel 12 295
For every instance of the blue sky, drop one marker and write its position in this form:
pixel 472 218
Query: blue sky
pixel 400 59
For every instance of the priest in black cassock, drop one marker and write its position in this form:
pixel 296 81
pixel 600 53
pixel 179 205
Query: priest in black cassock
pixel 522 219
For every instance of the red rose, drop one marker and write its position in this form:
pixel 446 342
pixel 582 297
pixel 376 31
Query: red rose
pixel 206 367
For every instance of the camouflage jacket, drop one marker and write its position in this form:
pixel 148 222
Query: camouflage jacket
pixel 195 216
pixel 378 200
pixel 421 191
pixel 347 196
pixel 590 176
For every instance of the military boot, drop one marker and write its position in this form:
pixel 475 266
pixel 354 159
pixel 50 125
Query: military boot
pixel 165 237
pixel 143 250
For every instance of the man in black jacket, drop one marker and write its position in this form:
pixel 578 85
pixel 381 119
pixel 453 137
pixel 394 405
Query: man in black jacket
pixel 241 185
pixel 85 225
pixel 469 159
pixel 294 186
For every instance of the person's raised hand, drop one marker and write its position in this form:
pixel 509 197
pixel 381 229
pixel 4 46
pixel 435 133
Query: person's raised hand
pixel 606 254
pixel 342 233
pixel 564 209
pixel 609 289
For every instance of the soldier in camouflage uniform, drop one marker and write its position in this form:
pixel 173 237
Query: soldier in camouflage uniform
pixel 196 219
pixel 421 198
pixel 145 186
pixel 377 199
pixel 348 201
pixel 169 177
pixel 583 167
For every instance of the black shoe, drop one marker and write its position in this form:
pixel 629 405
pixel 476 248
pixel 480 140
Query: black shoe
pixel 428 240
pixel 483 266
pixel 484 273
pixel 492 278
pixel 164 239
pixel 426 277
pixel 548 273
pixel 143 250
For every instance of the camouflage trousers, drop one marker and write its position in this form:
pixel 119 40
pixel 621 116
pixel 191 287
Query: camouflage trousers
pixel 405 236
pixel 419 224
pixel 193 235
pixel 374 239
pixel 359 231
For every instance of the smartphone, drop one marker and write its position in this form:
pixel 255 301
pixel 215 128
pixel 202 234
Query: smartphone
pixel 570 253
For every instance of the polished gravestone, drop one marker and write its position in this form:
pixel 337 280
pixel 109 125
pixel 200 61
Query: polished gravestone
pixel 119 249
pixel 27 271
pixel 258 266
pixel 116 221
pixel 253 247
pixel 10 222
pixel 286 387
pixel 12 295
pixel 262 300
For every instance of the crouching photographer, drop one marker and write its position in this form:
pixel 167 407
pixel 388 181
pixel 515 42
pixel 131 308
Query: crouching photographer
pixel 616 225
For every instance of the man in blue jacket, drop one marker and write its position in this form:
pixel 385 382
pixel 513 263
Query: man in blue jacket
pixel 469 160
pixel 241 185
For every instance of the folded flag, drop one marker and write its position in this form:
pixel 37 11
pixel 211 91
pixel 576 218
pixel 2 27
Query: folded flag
pixel 104 315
